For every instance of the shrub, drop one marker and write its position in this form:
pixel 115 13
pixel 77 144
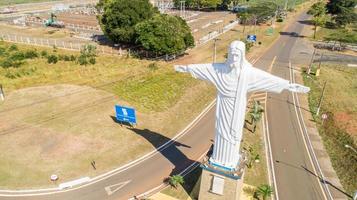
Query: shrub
pixel 30 54
pixel 52 59
pixel 248 45
pixel 2 51
pixel 72 58
pixel 13 47
pixel 82 60
pixel 60 57
pixel 66 58
pixel 18 56
pixel 44 54
pixel 7 63
pixel 10 75
pixel 153 66
pixel 92 60
pixel 279 20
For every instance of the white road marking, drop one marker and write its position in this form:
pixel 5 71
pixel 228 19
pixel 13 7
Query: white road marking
pixel 306 138
pixel 111 189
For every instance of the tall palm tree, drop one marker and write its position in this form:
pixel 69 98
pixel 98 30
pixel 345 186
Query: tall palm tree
pixel 264 191
pixel 256 113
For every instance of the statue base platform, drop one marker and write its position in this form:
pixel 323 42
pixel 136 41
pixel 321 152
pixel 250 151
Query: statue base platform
pixel 220 184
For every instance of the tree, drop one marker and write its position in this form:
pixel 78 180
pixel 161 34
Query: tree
pixel 264 191
pixel 175 180
pixel 120 17
pixel 256 114
pixel 263 11
pixel 244 18
pixel 346 16
pixel 318 11
pixel 336 6
pixel 164 34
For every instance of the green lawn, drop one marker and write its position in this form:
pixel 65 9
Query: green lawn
pixel 12 2
pixel 340 105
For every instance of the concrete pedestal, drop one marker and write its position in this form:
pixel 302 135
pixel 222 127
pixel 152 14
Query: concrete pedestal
pixel 218 184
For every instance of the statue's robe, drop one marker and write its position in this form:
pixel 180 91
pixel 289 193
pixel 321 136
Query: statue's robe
pixel 233 84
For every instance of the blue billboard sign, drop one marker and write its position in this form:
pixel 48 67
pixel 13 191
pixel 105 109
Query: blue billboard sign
pixel 125 114
pixel 252 38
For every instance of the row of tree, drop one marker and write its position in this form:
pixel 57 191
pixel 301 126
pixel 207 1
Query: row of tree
pixel 137 22
pixel 198 3
pixel 341 12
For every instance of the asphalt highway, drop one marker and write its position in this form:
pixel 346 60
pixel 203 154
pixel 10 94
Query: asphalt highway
pixel 288 150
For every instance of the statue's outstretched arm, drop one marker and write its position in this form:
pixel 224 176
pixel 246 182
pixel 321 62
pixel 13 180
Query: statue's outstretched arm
pixel 262 81
pixel 293 87
pixel 199 71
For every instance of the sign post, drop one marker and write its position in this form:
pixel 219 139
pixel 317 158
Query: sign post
pixel 125 114
pixel 251 38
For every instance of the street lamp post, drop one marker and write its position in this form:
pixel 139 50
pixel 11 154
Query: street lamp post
pixel 350 147
pixel 215 50
pixel 320 101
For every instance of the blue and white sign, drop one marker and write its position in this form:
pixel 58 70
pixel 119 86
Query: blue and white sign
pixel 125 114
pixel 251 38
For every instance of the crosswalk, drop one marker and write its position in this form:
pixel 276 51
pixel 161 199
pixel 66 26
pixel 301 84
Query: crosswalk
pixel 258 96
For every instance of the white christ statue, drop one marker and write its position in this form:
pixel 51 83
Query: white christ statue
pixel 233 80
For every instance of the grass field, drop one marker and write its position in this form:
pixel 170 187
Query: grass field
pixel 71 106
pixel 340 128
pixel 12 2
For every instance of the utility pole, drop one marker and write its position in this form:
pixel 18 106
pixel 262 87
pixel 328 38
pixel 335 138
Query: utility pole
pixel 350 147
pixel 2 96
pixel 319 67
pixel 320 101
pixel 312 60
pixel 215 50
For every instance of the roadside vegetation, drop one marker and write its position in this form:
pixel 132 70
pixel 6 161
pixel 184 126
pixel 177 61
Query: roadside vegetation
pixel 339 129
pixel 337 21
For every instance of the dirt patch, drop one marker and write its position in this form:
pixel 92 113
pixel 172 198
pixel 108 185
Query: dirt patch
pixel 347 121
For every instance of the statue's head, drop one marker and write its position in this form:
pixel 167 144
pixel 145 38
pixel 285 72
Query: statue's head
pixel 236 54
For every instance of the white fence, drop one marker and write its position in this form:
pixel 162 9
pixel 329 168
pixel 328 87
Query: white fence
pixel 46 42
pixel 214 34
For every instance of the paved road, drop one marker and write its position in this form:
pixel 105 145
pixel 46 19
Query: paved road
pixel 293 182
pixel 287 144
